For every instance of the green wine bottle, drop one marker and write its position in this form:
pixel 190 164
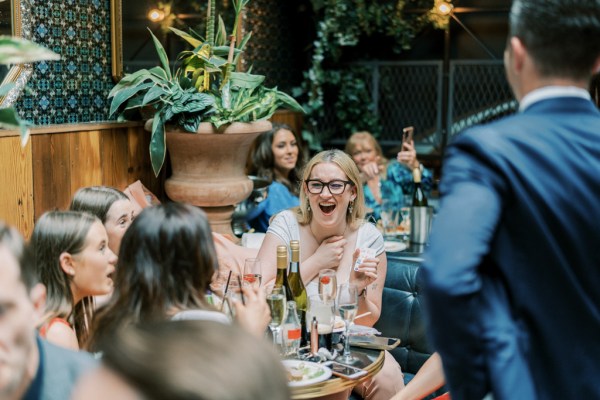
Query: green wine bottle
pixel 297 287
pixel 281 280
pixel 419 199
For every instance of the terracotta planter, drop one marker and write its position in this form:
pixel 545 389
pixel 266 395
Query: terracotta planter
pixel 209 168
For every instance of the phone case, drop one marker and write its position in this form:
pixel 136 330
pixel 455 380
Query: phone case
pixel 374 342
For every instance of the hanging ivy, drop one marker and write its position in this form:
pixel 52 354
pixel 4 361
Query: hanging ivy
pixel 342 24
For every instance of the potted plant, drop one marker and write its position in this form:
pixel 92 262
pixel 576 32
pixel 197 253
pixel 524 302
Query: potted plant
pixel 225 110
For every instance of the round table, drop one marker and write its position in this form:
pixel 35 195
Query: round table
pixel 370 360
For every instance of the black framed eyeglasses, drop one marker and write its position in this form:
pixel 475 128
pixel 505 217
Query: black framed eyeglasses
pixel 316 186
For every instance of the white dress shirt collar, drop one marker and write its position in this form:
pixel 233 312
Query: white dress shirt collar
pixel 548 92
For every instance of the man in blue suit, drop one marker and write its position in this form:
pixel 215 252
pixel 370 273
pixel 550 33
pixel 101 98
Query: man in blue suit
pixel 512 276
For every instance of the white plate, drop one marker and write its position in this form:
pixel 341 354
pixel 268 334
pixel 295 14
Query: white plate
pixel 311 369
pixel 393 246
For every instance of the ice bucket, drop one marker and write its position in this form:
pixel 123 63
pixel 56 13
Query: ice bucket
pixel 420 224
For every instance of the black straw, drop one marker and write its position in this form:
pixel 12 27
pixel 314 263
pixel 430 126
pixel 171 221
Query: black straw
pixel 226 289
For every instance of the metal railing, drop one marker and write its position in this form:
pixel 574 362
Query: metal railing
pixel 410 93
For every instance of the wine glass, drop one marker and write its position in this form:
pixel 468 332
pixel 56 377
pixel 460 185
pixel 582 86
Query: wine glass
pixel 277 304
pixel 252 272
pixel 347 305
pixel 327 284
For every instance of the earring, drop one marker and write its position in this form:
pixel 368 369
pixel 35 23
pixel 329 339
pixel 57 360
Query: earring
pixel 71 272
pixel 308 208
pixel 351 207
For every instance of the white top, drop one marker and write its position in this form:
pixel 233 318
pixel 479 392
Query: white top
pixel 285 227
pixel 548 92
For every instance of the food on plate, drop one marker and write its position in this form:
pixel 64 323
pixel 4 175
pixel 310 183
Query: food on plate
pixel 303 372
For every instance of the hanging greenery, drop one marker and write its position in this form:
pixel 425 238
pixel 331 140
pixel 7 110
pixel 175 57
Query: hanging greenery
pixel 341 25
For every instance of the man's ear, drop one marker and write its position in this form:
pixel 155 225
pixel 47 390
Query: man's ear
pixel 596 69
pixel 67 263
pixel 38 298
pixel 519 53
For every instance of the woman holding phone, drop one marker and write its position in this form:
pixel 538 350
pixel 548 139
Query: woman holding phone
pixel 382 179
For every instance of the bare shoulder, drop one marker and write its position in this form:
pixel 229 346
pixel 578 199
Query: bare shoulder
pixel 62 335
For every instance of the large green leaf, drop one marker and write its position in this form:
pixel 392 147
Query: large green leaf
pixel 123 95
pixel 131 80
pixel 289 101
pixel 187 37
pixel 162 55
pixel 15 50
pixel 221 34
pixel 153 94
pixel 158 150
pixel 246 80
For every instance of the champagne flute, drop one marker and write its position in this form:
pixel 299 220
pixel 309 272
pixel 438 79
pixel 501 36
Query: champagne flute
pixel 252 272
pixel 327 284
pixel 276 302
pixel 347 305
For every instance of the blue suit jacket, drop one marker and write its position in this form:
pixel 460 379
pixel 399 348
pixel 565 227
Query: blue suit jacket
pixel 512 276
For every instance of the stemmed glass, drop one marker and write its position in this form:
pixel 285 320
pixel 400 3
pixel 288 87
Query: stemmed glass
pixel 347 305
pixel 277 304
pixel 252 272
pixel 327 284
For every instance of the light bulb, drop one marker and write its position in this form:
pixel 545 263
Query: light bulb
pixel 445 8
pixel 156 15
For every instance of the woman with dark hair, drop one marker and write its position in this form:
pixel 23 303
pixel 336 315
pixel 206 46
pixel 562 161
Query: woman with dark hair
pixel 166 264
pixel 276 156
pixel 71 255
pixel 185 360
pixel 111 206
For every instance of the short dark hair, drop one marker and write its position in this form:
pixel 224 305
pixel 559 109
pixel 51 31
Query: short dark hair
pixel 562 36
pixel 12 240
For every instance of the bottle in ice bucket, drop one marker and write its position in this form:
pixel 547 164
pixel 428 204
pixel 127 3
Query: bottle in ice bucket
pixel 291 331
pixel 419 199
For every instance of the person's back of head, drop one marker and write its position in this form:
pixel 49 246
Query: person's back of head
pixel 189 360
pixel 166 263
pixel 562 36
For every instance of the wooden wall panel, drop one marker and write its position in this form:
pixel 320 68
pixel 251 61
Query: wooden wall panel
pixel 16 193
pixel 51 172
pixel 86 168
pixel 115 158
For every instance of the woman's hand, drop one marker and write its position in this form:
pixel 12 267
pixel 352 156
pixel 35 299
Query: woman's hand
pixel 372 169
pixel 255 315
pixel 330 252
pixel 367 271
pixel 408 155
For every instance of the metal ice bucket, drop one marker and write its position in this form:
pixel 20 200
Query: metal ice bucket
pixel 420 224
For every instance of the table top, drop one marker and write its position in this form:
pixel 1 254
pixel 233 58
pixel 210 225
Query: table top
pixel 370 360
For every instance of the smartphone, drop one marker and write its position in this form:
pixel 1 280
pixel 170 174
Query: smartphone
pixel 345 371
pixel 407 136
pixel 374 342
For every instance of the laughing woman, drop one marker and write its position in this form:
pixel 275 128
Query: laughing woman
pixel 329 224
pixel 72 258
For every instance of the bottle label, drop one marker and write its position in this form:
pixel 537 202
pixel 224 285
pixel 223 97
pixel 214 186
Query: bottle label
pixel 293 334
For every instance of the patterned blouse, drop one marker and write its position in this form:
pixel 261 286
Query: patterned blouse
pixel 398 186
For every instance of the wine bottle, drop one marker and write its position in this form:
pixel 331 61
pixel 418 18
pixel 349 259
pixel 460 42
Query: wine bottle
pixel 419 199
pixel 281 280
pixel 297 287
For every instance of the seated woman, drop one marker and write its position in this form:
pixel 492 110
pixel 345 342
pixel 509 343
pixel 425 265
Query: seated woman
pixel 329 224
pixel 166 264
pixel 71 255
pixel 382 179
pixel 112 206
pixel 276 156
pixel 184 360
